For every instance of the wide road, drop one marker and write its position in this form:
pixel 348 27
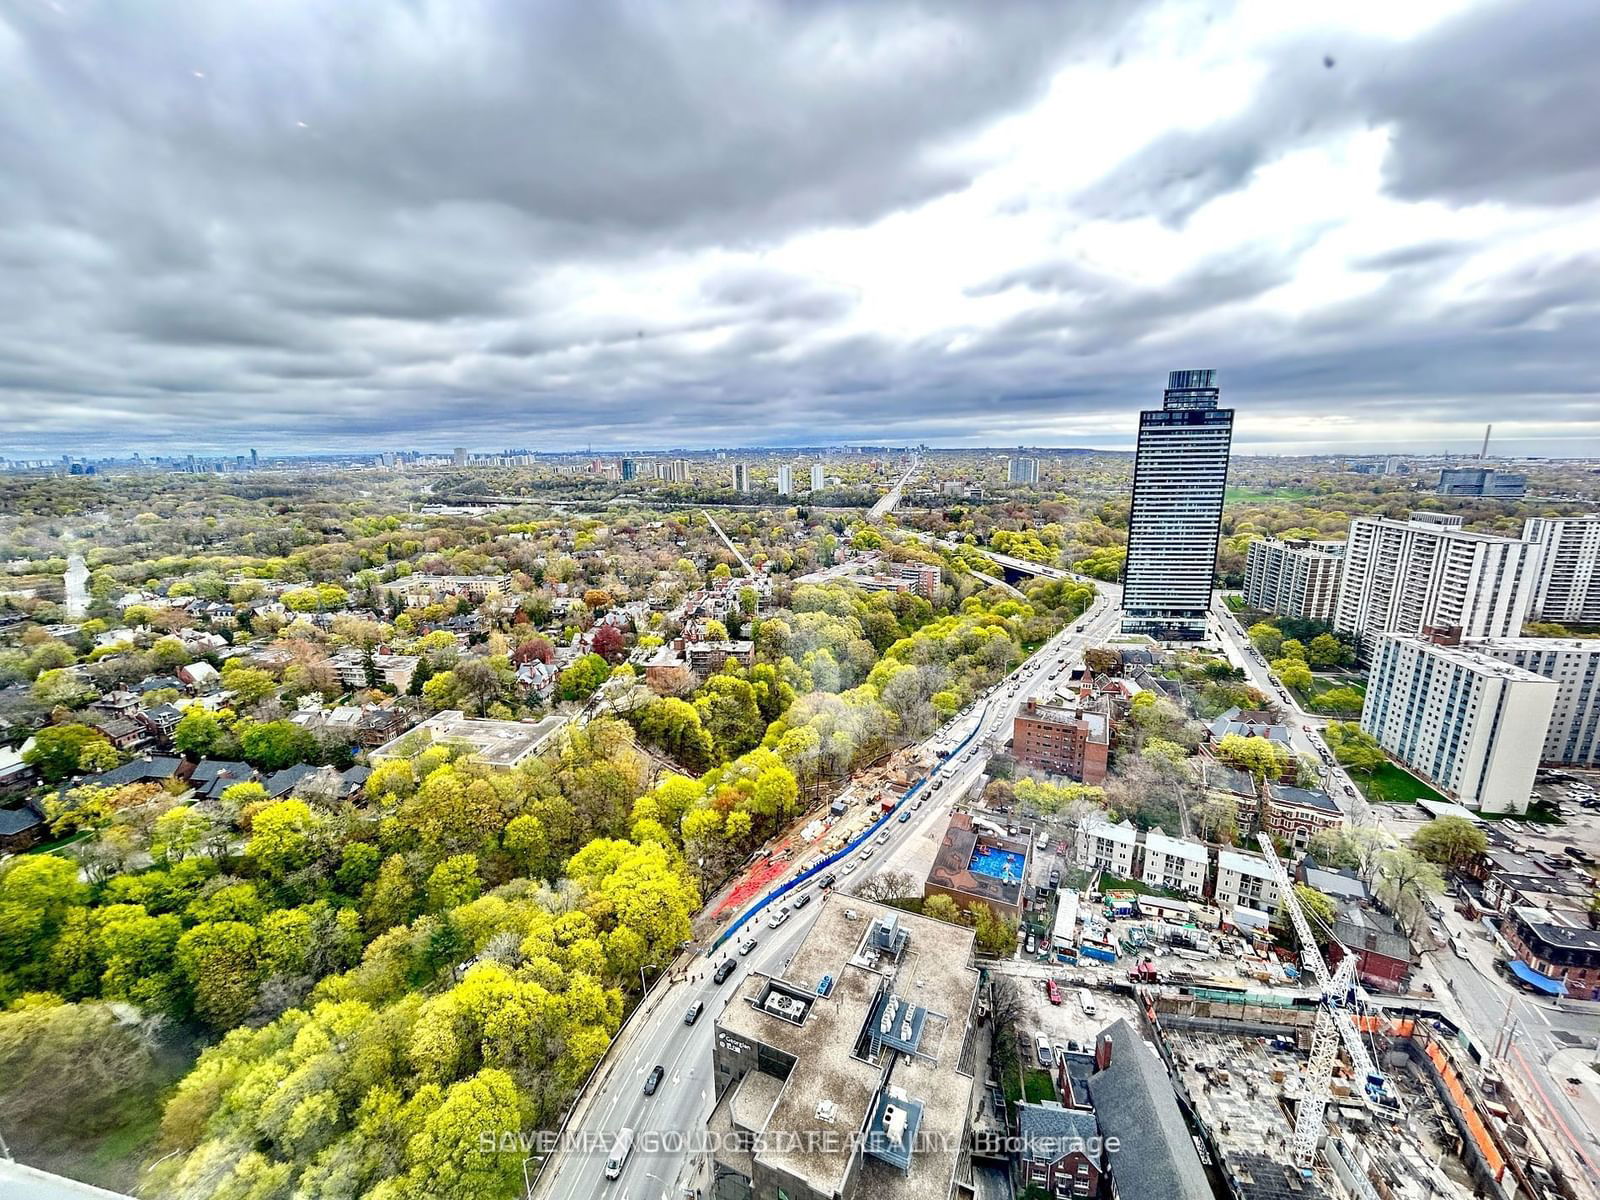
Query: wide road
pixel 891 498
pixel 1551 1041
pixel 658 1035
pixel 1304 727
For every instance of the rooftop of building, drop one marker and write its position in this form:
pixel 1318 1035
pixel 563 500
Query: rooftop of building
pixel 1304 798
pixel 837 1087
pixel 1179 847
pixel 493 743
pixel 952 865
pixel 1244 864
pixel 1558 928
pixel 1134 1102
pixel 1465 656
pixel 1087 713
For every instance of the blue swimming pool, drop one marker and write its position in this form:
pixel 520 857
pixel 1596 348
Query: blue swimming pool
pixel 999 864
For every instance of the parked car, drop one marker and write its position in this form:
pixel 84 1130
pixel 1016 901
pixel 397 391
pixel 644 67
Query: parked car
pixel 1041 1047
pixel 1052 991
pixel 693 1015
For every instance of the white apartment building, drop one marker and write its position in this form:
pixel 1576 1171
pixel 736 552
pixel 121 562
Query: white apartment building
pixel 741 477
pixel 1245 881
pixel 816 477
pixel 1180 472
pixel 1567 588
pixel 1293 578
pixel 1573 738
pixel 1404 576
pixel 1471 725
pixel 1174 864
pixel 785 480
pixel 1107 847
pixel 1022 470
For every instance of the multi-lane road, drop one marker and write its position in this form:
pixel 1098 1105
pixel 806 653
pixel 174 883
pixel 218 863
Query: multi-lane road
pixel 657 1034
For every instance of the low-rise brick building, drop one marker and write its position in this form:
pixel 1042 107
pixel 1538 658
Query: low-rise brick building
pixel 1072 740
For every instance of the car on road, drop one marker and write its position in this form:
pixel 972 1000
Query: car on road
pixel 620 1149
pixel 883 837
pixel 746 946
pixel 693 1015
pixel 850 866
pixel 867 853
pixel 905 815
pixel 827 880
pixel 778 917
pixel 724 969
pixel 653 1080
pixel 801 901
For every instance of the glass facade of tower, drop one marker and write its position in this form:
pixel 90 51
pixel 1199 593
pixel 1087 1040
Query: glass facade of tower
pixel 1179 476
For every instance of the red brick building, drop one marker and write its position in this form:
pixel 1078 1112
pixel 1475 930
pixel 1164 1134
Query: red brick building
pixel 1074 741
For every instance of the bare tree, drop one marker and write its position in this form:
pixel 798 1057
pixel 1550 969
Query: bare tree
pixel 888 885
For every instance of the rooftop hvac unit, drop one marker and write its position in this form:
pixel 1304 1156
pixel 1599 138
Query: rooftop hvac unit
pixel 894 1124
pixel 886 1025
pixel 826 1110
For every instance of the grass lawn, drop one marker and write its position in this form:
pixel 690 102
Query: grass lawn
pixel 1110 883
pixel 1038 1086
pixel 1390 785
pixel 1011 1086
pixel 1260 496
pixel 1234 601
pixel 51 847
pixel 1326 683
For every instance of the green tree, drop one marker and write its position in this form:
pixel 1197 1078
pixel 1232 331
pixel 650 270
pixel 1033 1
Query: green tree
pixel 1320 914
pixel 58 750
pixel 283 838
pixel 1268 639
pixel 197 733
pixel 58 688
pixel 453 882
pixel 729 712
pixel 1262 758
pixel 1293 674
pixel 579 681
pixel 1294 648
pixel 996 934
pixel 220 964
pixel 274 745
pixel 1355 748
pixel 1325 651
pixel 1451 842
pixel 941 908
pixel 446 1161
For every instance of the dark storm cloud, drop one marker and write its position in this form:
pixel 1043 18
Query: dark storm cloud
pixel 481 221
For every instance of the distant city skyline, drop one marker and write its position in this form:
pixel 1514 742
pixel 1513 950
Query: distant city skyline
pixel 956 224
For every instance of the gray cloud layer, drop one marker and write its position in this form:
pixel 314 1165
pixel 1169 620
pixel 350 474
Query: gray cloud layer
pixel 374 224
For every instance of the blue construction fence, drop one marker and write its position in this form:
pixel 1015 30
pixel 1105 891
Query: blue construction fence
pixel 822 865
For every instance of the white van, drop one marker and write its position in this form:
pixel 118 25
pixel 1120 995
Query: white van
pixel 620 1149
pixel 1086 1002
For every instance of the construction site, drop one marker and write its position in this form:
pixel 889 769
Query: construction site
pixel 1242 1069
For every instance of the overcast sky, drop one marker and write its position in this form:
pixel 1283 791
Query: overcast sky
pixel 368 224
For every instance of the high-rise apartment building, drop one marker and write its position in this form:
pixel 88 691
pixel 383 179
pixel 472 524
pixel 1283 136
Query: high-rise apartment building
pixel 461 456
pixel 630 469
pixel 1404 576
pixel 1470 724
pixel 1293 578
pixel 816 477
pixel 1022 470
pixel 741 477
pixel 1567 588
pixel 785 480
pixel 1179 475
pixel 1573 738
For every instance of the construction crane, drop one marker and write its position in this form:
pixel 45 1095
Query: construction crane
pixel 1342 997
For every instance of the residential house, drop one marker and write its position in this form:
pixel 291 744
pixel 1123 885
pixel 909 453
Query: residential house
pixel 1059 1150
pixel 387 668
pixel 1134 1103
pixel 1106 847
pixel 22 827
pixel 1249 723
pixel 213 776
pixel 1174 864
pixel 126 734
pixel 1245 881
pixel 1297 814
pixel 161 721
pixel 1382 950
